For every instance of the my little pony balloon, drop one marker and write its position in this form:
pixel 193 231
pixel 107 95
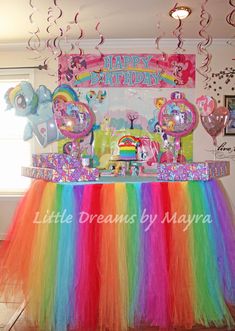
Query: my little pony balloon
pixel 177 118
pixel 37 107
pixel 205 104
pixel 74 119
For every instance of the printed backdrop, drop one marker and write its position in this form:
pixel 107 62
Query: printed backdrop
pixel 126 92
pixel 126 70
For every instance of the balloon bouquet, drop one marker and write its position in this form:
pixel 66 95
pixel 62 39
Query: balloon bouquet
pixel 213 119
pixel 51 117
pixel 178 118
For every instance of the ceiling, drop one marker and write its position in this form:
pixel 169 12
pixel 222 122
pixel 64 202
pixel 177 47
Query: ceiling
pixel 118 18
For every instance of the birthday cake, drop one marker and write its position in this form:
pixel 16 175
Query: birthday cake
pixel 128 148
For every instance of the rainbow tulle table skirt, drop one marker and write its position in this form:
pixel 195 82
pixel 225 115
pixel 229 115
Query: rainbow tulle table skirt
pixel 118 255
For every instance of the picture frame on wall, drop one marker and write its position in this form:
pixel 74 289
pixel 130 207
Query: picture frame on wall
pixel 229 102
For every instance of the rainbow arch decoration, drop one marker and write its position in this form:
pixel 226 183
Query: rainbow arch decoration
pixel 65 92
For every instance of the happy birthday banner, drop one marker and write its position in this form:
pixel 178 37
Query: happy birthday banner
pixel 128 70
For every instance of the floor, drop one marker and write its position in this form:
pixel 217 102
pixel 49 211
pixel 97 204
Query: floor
pixel 12 319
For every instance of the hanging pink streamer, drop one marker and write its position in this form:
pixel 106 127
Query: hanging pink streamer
pixel 72 46
pixel 53 44
pixel 205 20
pixel 97 47
pixel 230 19
pixel 56 40
pixel 157 42
pixel 81 33
pixel 34 42
pixel 49 41
pixel 178 34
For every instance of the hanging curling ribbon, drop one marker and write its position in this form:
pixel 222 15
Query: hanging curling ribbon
pixel 157 41
pixel 81 34
pixel 59 10
pixel 72 46
pixel 34 42
pixel 178 34
pixel 230 19
pixel 49 41
pixel 205 20
pixel 97 47
pixel 56 40
pixel 56 43
pixel 53 44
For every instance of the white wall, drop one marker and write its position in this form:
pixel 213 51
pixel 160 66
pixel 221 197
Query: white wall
pixel 222 57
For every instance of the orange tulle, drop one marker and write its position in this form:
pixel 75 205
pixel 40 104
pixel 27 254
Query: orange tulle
pixel 20 241
pixel 180 268
pixel 110 297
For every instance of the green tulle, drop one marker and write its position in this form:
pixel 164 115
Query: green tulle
pixel 210 308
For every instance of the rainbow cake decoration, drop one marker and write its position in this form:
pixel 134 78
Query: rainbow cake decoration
pixel 128 147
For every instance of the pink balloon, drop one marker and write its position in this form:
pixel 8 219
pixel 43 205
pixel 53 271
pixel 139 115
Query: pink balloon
pixel 74 119
pixel 215 122
pixel 177 116
pixel 205 104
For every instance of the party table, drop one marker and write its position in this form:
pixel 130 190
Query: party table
pixel 113 255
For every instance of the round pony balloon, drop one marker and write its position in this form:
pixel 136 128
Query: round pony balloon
pixel 177 118
pixel 74 119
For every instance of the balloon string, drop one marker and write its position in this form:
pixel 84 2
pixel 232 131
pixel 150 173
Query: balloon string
pixel 205 68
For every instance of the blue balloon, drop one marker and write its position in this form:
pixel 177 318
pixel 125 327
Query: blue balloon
pixel 44 94
pixel 37 107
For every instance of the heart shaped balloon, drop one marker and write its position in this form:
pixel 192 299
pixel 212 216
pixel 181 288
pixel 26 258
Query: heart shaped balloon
pixel 215 122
